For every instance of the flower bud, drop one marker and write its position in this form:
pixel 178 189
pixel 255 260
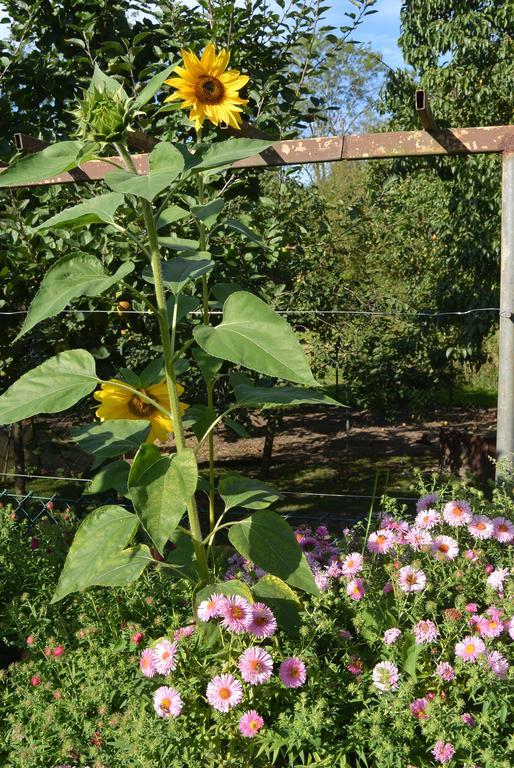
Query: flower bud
pixel 103 114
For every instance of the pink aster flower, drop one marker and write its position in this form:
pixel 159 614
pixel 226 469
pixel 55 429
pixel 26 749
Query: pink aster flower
pixel 445 548
pixel 386 676
pixel 356 589
pixel 411 580
pixel 471 608
pixel 352 564
pixel 498 664
pixel 147 663
pixel 183 632
pixel 418 539
pixel 443 751
pixel 250 724
pixel 427 519
pixel 262 623
pixel 255 665
pixel 445 671
pixel 292 672
pixel 322 580
pixel 490 626
pixel 322 532
pixel 509 625
pixel 503 530
pixel 137 637
pixel 334 570
pixel 425 632
pixel 211 608
pixel 496 578
pixel 167 702
pixel 355 666
pixel 387 588
pixel 471 555
pixel 470 648
pixel 391 635
pixel 224 692
pixel 165 654
pixel 481 527
pixel 380 542
pixel 468 719
pixel 425 502
pixel 418 708
pixel 457 513
pixel 236 613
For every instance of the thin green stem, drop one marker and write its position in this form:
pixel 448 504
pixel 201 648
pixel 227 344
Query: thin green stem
pixel 134 239
pixel 162 316
pixel 140 296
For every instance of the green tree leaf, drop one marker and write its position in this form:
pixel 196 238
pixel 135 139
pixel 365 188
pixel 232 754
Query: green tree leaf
pixel 239 491
pixel 78 274
pixel 160 493
pixel 268 541
pixel 53 386
pixel 153 86
pixel 55 159
pixel 114 476
pixel 275 397
pixel 198 419
pixel 228 152
pixel 209 366
pixel 108 439
pixel 238 226
pixel 96 210
pixel 254 336
pixel 97 555
pixel 282 600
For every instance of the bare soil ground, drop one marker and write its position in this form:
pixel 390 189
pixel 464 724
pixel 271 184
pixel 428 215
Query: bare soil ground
pixel 315 452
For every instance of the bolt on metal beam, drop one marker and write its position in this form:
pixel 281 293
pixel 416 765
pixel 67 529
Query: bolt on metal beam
pixel 505 417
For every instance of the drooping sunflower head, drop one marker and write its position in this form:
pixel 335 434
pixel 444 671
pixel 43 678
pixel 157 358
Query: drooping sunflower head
pixel 208 89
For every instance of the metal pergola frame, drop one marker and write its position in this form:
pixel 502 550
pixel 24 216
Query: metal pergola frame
pixel 374 146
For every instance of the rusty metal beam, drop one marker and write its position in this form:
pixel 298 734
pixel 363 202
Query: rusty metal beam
pixel 141 140
pixel 371 146
pixel 247 131
pixel 424 111
pixel 25 143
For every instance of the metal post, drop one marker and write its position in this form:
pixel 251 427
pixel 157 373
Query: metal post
pixel 505 419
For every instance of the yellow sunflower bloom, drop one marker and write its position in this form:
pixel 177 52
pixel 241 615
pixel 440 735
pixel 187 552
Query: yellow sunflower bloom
pixel 208 89
pixel 118 403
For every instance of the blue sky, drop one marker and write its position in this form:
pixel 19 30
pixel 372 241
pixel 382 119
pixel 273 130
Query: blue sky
pixel 381 30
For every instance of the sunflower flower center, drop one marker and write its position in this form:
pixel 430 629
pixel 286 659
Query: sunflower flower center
pixel 138 408
pixel 209 90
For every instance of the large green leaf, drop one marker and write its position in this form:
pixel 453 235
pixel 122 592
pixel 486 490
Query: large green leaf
pixel 180 270
pixel 97 555
pixel 78 274
pixel 281 599
pixel 96 210
pixel 185 305
pixel 166 157
pixel 182 556
pixel 53 386
pixel 209 366
pixel 170 215
pixel 268 541
pixel 209 212
pixel 198 419
pixel 179 244
pixel 410 653
pixel 229 151
pixel 276 397
pixel 55 159
pixel 254 336
pixel 238 226
pixel 113 476
pixel 147 186
pixel 239 491
pixel 153 86
pixel 160 493
pixel 111 438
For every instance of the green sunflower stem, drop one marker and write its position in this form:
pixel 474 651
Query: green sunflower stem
pixel 167 352
pixel 209 381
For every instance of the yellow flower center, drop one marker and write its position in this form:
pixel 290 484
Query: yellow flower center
pixel 165 704
pixel 139 408
pixel 237 612
pixel 224 693
pixel 256 665
pixel 470 648
pixel 209 90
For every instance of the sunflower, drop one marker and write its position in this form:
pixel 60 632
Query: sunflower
pixel 119 403
pixel 208 88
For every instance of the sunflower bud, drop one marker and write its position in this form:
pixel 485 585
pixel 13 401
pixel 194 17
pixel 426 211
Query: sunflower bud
pixel 103 114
